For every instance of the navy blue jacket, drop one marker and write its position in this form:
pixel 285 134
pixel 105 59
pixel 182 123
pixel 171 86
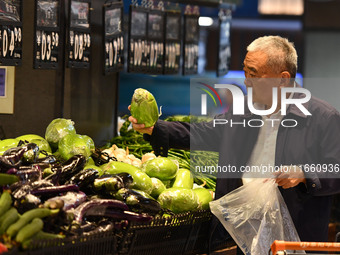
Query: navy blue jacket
pixel 314 143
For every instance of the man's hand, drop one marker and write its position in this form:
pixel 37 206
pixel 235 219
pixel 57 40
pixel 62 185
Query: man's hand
pixel 140 127
pixel 289 176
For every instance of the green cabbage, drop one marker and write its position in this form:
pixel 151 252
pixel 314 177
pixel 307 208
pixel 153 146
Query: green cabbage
pixel 57 129
pixel 161 167
pixel 74 144
pixel 144 107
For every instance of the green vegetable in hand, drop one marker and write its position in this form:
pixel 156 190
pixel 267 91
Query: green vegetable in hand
pixel 144 107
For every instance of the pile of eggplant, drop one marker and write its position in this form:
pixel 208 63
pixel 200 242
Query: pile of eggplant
pixel 64 198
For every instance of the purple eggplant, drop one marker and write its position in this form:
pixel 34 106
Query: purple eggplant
pixel 12 171
pixel 121 215
pixel 69 200
pixel 41 184
pixel 14 157
pixel 91 228
pixel 101 158
pixel 49 159
pixel 11 158
pixel 97 205
pixel 29 173
pixel 51 191
pixel 27 203
pixel 22 189
pixel 107 182
pixel 84 178
pixel 62 173
pixel 137 202
pixel 31 154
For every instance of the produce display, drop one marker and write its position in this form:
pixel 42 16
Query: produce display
pixel 63 186
pixel 141 149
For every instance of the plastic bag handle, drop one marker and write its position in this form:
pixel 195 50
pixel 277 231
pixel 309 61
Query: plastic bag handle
pixel 309 246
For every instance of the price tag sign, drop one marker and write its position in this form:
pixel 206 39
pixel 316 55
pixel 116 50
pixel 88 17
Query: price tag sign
pixel 172 49
pixel 47 34
pixel 190 47
pixel 113 37
pixel 138 46
pixel 224 52
pixel 10 32
pixel 79 38
pixel 155 41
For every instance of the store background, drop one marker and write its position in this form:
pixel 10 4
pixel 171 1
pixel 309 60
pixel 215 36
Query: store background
pixel 316 35
pixel 94 101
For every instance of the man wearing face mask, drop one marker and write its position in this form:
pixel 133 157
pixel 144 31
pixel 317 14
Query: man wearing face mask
pixel 271 62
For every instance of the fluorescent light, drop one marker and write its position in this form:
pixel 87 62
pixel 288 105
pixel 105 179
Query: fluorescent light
pixel 205 21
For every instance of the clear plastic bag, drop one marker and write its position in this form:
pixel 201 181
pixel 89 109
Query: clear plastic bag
pixel 255 215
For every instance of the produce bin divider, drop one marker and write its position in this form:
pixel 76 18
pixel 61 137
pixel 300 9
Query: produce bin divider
pixel 104 243
pixel 173 235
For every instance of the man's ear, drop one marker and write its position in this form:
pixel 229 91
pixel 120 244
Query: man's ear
pixel 285 79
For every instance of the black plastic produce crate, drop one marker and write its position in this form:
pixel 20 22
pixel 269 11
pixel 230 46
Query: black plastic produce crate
pixel 104 243
pixel 180 234
pixel 185 233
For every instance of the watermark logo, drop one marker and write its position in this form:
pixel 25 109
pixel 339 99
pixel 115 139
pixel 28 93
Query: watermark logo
pixel 238 99
pixel 204 97
pixel 280 98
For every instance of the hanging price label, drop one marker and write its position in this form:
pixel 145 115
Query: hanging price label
pixel 224 52
pixel 190 48
pixel 139 53
pixel 10 32
pixel 79 50
pixel 47 34
pixel 79 38
pixel 114 52
pixel 172 57
pixel 191 57
pixel 47 46
pixel 155 36
pixel 139 46
pixel 11 45
pixel 156 55
pixel 113 37
pixel 172 49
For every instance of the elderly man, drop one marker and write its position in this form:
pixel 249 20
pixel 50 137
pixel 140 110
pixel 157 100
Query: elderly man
pixel 314 143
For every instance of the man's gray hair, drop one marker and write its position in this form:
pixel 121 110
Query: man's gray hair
pixel 281 53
